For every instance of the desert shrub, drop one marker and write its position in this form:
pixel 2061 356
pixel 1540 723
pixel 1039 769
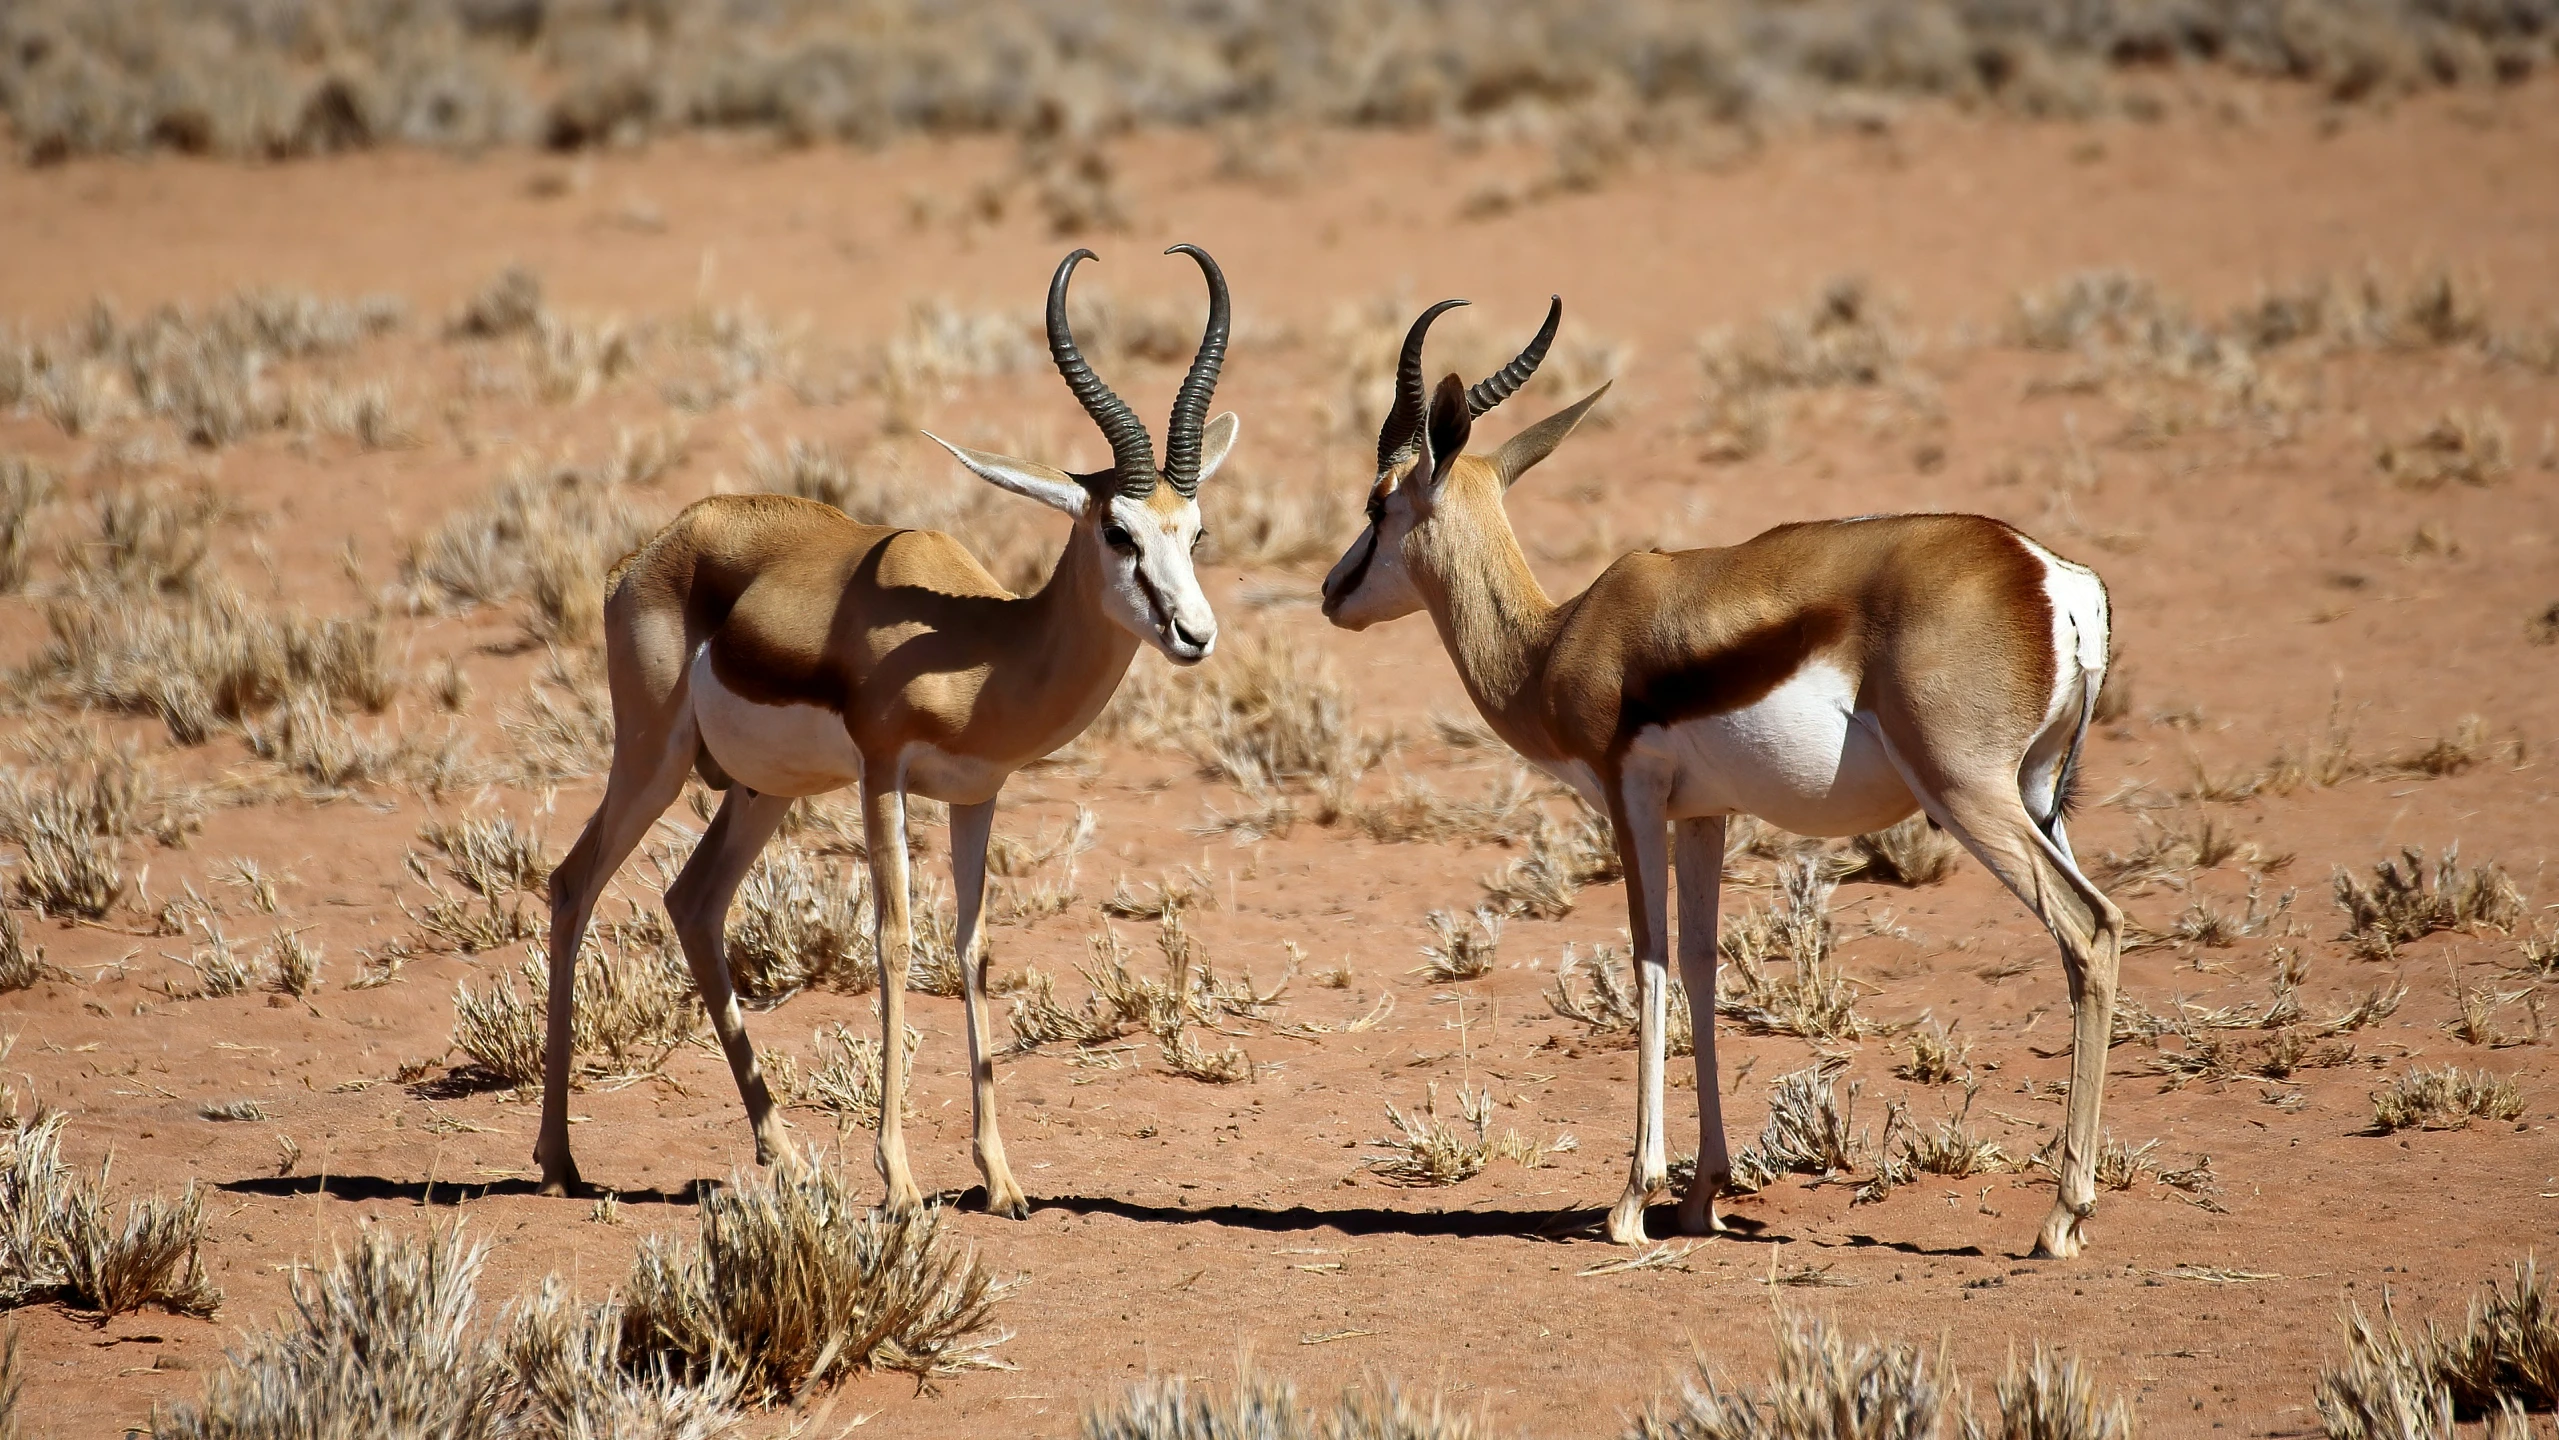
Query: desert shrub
pixel 2464 446
pixel 59 1237
pixel 1426 1150
pixel 21 964
pixel 2448 1098
pixel 2053 1396
pixel 1267 717
pixel 1266 1407
pixel 2503 1361
pixel 1608 1006
pixel 207 660
pixel 546 532
pixel 388 1340
pixel 1563 856
pixel 801 921
pixel 633 1005
pixel 795 1280
pixel 1812 997
pixel 2403 904
pixel 1807 1131
pixel 1460 949
pixel 1910 854
pixel 846 1079
pixel 1824 1385
pixel 26 490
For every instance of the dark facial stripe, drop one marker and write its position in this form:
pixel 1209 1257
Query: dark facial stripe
pixel 1359 572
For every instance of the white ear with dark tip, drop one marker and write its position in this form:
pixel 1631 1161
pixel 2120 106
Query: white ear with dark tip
pixel 1045 483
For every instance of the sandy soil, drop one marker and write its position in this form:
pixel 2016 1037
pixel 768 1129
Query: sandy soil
pixel 2255 581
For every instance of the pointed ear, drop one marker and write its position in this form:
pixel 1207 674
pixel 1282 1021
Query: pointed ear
pixel 1539 440
pixel 1450 423
pixel 1216 440
pixel 1050 486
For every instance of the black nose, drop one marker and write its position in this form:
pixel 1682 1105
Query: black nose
pixel 1185 637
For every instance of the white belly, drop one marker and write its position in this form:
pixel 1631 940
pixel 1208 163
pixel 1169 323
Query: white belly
pixel 952 779
pixel 1802 759
pixel 773 749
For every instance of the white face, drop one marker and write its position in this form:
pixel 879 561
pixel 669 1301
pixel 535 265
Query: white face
pixel 1371 583
pixel 1150 585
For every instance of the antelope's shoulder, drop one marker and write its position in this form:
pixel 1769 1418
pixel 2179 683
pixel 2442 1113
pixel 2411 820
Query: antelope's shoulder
pixel 932 560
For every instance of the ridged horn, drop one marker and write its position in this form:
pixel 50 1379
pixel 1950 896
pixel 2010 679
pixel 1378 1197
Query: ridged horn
pixel 1498 386
pixel 1132 453
pixel 1190 404
pixel 1402 432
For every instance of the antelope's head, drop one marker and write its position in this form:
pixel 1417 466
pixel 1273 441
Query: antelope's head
pixel 1142 523
pixel 1423 470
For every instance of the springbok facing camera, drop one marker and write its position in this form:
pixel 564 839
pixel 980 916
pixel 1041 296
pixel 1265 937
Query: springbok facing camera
pixel 783 650
pixel 1829 677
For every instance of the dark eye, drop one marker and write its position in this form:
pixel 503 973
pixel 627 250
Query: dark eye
pixel 1376 509
pixel 1119 539
pixel 1200 539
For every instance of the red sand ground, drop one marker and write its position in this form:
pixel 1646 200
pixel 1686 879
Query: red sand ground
pixel 1178 1224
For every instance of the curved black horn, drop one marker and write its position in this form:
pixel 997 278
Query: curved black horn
pixel 1497 387
pixel 1132 454
pixel 1403 427
pixel 1190 404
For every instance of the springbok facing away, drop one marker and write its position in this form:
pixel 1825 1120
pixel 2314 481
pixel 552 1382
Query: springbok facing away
pixel 783 650
pixel 1828 677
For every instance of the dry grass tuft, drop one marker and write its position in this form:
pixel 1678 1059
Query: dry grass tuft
pixel 1936 1057
pixel 1264 1407
pixel 1562 857
pixel 1812 997
pixel 846 1082
pixel 1426 1150
pixel 546 532
pixel 292 963
pixel 634 1004
pixel 793 1280
pixel 387 1340
pixel 2399 905
pixel 1910 854
pixel 2471 447
pixel 207 660
pixel 1608 1007
pixel 1807 1131
pixel 21 964
pixel 1460 949
pixel 2053 1397
pixel 1824 1385
pixel 27 490
pixel 802 921
pixel 59 1239
pixel 1271 720
pixel 2444 1099
pixel 2502 1363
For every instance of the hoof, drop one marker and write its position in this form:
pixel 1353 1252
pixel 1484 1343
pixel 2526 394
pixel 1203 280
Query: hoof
pixel 1698 1217
pixel 903 1199
pixel 1007 1202
pixel 2064 1234
pixel 779 1157
pixel 562 1183
pixel 1626 1222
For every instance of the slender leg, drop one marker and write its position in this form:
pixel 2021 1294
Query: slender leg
pixel 970 826
pixel 1989 816
pixel 884 831
pixel 648 773
pixel 1637 805
pixel 1698 852
pixel 698 902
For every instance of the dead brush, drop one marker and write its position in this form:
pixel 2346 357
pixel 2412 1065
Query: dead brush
pixel 1266 1407
pixel 2403 904
pixel 2445 1098
pixel 1823 1385
pixel 1460 949
pixel 60 1240
pixel 68 870
pixel 83 782
pixel 491 855
pixel 27 491
pixel 207 660
pixel 2053 1396
pixel 509 304
pixel 472 921
pixel 2165 851
pixel 1413 811
pixel 305 738
pixel 292 963
pixel 793 1280
pixel 2463 746
pixel 1812 998
pixel 153 536
pixel 2500 1364
pixel 391 1333
pixel 21 965
pixel 1608 1006
pixel 2205 923
pixel 1910 854
pixel 846 1080
pixel 1563 856
pixel 1807 1131
pixel 633 1005
pixel 1271 519
pixel 1936 1057
pixel 1427 1151
pixel 546 531
pixel 2465 446
pixel 800 922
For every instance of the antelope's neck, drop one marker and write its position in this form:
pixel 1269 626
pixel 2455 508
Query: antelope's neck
pixel 1062 659
pixel 1492 614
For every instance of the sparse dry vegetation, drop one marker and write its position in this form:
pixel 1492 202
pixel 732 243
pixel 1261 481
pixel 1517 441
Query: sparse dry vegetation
pixel 1426 1150
pixel 2502 1363
pixel 2405 901
pixel 60 1238
pixel 2445 1098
